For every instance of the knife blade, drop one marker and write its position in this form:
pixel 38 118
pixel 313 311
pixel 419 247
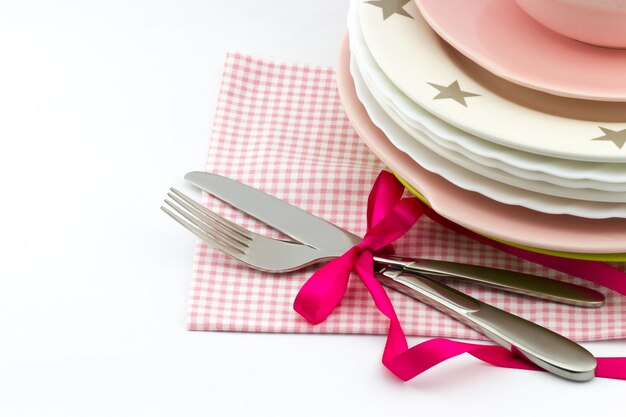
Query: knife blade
pixel 320 234
pixel 282 216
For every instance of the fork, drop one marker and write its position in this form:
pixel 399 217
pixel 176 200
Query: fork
pixel 253 249
pixel 541 346
pixel 274 255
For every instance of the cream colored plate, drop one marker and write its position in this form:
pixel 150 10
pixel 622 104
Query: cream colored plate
pixel 455 89
pixel 515 195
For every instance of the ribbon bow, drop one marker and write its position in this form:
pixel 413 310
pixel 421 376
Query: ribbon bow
pixel 389 216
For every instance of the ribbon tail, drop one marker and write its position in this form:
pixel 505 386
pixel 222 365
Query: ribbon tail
pixel 614 368
pixel 396 340
pixel 432 352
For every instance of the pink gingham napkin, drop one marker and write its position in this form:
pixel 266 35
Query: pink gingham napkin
pixel 281 128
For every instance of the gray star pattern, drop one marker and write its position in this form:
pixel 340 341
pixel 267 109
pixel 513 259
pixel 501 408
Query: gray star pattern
pixel 391 7
pixel 453 91
pixel 617 137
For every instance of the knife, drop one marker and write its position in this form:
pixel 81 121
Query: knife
pixel 541 346
pixel 325 236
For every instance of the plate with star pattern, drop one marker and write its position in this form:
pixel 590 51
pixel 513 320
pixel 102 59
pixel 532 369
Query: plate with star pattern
pixel 560 235
pixel 455 89
pixel 456 145
pixel 524 165
pixel 497 186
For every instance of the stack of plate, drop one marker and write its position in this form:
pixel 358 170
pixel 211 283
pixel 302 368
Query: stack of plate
pixel 498 123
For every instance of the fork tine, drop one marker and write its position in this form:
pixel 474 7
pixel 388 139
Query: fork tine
pixel 222 238
pixel 224 223
pixel 252 249
pixel 203 221
pixel 234 252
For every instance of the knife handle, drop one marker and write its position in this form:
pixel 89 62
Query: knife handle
pixel 543 347
pixel 516 282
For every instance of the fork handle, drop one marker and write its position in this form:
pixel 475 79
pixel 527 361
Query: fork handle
pixel 516 282
pixel 541 346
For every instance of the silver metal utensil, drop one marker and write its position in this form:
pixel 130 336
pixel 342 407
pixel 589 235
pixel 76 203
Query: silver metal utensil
pixel 255 250
pixel 332 241
pixel 541 346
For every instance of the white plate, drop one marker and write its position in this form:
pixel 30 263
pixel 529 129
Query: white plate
pixel 468 180
pixel 428 70
pixel 455 153
pixel 502 176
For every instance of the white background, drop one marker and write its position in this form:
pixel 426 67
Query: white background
pixel 103 106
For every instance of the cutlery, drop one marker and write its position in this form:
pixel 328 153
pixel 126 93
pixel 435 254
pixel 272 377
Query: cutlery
pixel 543 347
pixel 537 344
pixel 332 241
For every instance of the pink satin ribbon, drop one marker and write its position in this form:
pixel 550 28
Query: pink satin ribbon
pixel 389 216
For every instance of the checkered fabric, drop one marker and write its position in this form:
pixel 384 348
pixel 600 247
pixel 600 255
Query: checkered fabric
pixel 281 128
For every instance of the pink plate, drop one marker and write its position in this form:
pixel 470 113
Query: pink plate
pixel 514 224
pixel 499 36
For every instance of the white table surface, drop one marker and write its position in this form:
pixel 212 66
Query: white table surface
pixel 103 106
